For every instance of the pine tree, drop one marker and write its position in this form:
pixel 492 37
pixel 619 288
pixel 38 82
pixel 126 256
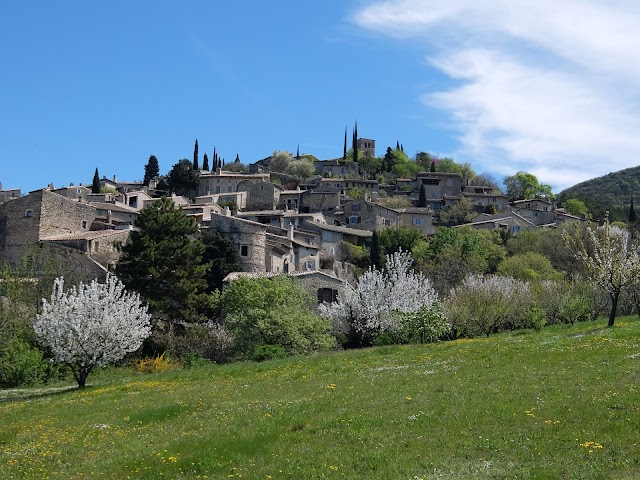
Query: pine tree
pixel 195 156
pixel 151 170
pixel 422 201
pixel 95 186
pixel 205 162
pixel 632 212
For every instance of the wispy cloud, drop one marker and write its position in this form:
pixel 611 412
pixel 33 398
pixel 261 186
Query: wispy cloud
pixel 546 86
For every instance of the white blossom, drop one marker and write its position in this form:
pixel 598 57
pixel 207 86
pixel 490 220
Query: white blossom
pixel 610 259
pixel 92 325
pixel 375 303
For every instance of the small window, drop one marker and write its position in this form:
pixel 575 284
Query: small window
pixel 355 207
pixel 244 250
pixel 84 224
pixel 417 220
pixel 28 213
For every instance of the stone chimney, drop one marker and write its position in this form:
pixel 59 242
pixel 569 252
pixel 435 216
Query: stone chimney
pixel 290 231
pixel 227 211
pixel 109 217
pixel 115 180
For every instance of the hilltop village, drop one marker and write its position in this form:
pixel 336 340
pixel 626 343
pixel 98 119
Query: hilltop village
pixel 287 221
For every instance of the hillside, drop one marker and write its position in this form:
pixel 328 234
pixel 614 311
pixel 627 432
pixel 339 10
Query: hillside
pixel 559 403
pixel 611 192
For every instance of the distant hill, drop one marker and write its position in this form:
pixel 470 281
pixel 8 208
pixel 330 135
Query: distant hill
pixel 612 192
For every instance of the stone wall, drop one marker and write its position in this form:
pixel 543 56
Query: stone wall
pixel 61 215
pixel 261 195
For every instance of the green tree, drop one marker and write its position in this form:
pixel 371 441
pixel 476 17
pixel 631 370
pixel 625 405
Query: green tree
pixel 151 170
pixel 221 254
pixel 375 254
pixel 205 162
pixel 280 160
pixel 183 179
pixel 273 312
pixel 195 156
pixel 524 185
pixel 529 266
pixel 300 168
pixel 393 239
pixel 460 212
pixel 163 262
pixel 575 207
pixel 632 212
pixel 95 186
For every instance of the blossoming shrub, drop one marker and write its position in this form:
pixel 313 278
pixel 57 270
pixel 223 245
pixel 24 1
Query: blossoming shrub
pixel 396 304
pixel 483 305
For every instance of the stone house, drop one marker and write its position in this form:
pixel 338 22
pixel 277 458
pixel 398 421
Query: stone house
pixel 332 235
pixel 374 216
pixel 34 219
pixel 336 168
pixel 10 194
pixel 115 213
pixel 370 187
pixel 367 146
pixel 260 195
pixel 74 192
pixel 225 182
pixel 439 185
pixel 538 211
pixel 482 196
pixel 324 199
pixel 509 221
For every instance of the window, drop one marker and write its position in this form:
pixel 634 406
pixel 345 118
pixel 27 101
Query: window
pixel 353 219
pixel 28 213
pixel 229 188
pixel 244 250
pixel 217 188
pixel 84 224
pixel 417 221
pixel 449 182
pixel 327 295
pixel 355 207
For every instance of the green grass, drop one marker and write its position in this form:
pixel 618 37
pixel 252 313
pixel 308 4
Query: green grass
pixel 562 403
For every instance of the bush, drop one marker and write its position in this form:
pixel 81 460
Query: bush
pixel 268 352
pixel 21 364
pixel 160 363
pixel 486 305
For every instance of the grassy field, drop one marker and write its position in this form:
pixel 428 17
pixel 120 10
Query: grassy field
pixel 563 403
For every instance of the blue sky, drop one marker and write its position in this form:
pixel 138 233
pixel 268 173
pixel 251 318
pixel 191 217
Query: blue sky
pixel 545 87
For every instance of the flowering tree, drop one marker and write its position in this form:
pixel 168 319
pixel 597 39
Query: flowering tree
pixel 382 299
pixel 610 259
pixel 90 325
pixel 488 304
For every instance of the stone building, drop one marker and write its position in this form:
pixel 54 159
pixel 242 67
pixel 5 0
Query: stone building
pixel 367 146
pixel 225 182
pixel 372 216
pixel 483 196
pixel 260 195
pixel 27 220
pixel 10 194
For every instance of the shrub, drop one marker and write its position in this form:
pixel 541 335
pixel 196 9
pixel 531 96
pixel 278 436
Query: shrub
pixel 20 364
pixel 268 352
pixel 160 363
pixel 489 304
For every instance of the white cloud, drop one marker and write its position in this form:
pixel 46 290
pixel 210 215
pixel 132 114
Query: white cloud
pixel 546 87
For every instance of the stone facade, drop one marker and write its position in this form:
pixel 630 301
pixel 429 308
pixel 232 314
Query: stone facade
pixel 372 216
pixel 27 220
pixel 225 182
pixel 260 195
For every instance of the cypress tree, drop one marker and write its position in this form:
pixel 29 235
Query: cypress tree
pixel 205 162
pixel 632 212
pixel 195 156
pixel 355 143
pixel 95 186
pixel 374 254
pixel 216 164
pixel 298 152
pixel 397 145
pixel 422 201
pixel 433 166
pixel 237 160
pixel 344 155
